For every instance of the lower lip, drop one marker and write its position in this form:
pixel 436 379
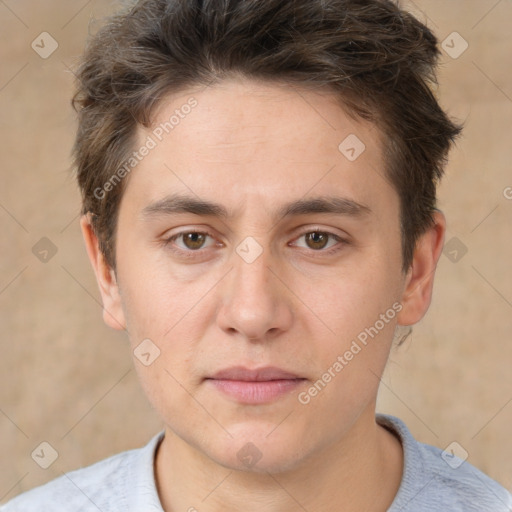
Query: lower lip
pixel 251 392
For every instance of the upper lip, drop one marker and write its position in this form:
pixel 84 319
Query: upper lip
pixel 255 375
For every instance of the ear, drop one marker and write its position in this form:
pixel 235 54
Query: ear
pixel 419 281
pixel 113 314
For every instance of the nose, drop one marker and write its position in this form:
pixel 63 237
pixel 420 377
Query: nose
pixel 256 304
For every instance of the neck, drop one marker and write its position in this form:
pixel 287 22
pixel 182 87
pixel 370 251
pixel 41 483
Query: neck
pixel 362 471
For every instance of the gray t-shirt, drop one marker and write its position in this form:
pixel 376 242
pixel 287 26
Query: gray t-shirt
pixel 432 481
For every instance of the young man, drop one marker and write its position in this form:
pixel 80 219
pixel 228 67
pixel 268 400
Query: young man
pixel 259 199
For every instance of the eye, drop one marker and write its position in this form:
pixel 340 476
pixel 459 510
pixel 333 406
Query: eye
pixel 190 240
pixel 319 241
pixel 186 243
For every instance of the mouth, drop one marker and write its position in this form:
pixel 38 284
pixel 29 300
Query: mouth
pixel 258 386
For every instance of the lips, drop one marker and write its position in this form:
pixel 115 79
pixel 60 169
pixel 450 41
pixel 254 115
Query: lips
pixel 253 387
pixel 258 375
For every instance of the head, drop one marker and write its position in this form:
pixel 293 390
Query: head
pixel 271 117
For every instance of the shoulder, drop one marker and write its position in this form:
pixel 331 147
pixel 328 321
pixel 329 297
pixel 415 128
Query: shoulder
pixel 457 481
pixel 105 485
pixel 434 479
pixel 82 489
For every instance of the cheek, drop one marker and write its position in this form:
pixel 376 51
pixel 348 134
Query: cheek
pixel 357 312
pixel 345 301
pixel 160 299
pixel 165 390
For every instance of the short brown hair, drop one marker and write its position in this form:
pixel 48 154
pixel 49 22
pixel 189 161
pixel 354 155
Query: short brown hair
pixel 378 59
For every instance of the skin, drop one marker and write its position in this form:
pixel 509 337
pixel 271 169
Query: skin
pixel 252 147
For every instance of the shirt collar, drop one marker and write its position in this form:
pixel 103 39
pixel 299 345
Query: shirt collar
pixel 141 491
pixel 142 494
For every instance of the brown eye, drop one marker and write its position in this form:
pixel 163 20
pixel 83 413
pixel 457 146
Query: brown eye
pixel 316 239
pixel 194 241
pixel 189 241
pixel 322 242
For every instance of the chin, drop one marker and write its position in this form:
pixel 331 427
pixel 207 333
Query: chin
pixel 256 451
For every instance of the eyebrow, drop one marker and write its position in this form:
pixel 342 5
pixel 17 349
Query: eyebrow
pixel 178 203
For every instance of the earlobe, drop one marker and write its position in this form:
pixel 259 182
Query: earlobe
pixel 113 314
pixel 419 281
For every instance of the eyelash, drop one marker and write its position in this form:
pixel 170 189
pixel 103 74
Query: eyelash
pixel 189 253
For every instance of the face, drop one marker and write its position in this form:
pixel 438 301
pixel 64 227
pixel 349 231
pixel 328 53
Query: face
pixel 250 243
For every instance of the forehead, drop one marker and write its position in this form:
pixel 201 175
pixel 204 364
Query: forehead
pixel 246 140
pixel 240 114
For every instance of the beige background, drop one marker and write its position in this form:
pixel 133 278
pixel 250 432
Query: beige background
pixel 67 379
